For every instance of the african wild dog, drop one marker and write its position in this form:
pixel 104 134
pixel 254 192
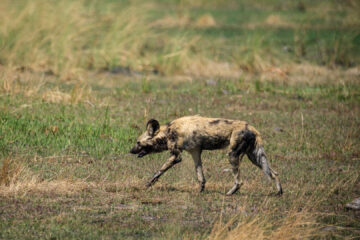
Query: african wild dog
pixel 195 134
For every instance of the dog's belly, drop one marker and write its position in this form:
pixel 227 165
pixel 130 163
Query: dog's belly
pixel 206 142
pixel 214 142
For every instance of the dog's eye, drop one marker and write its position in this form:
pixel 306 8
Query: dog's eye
pixel 138 143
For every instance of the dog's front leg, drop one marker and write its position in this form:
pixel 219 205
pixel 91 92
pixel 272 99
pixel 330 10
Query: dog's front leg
pixel 174 159
pixel 196 155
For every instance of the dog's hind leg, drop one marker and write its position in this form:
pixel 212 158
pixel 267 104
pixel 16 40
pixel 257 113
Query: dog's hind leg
pixel 240 142
pixel 235 160
pixel 196 155
pixel 257 157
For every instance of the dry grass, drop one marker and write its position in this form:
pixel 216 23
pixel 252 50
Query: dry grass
pixel 77 36
pixel 69 37
pixel 297 225
pixel 184 20
pixel 65 36
pixel 208 68
pixel 292 74
pixel 300 221
pixel 206 20
pixel 172 21
pixel 272 21
pixel 35 186
pixel 78 94
pixel 29 84
pixel 16 179
pixel 13 81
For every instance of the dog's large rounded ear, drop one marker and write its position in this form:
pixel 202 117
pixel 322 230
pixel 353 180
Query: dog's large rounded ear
pixel 152 126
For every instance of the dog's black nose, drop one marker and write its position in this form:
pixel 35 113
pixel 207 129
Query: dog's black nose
pixel 133 150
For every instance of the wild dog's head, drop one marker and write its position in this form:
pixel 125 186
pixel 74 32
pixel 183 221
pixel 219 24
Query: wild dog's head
pixel 152 140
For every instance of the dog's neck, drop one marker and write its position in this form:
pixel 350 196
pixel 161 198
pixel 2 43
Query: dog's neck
pixel 160 140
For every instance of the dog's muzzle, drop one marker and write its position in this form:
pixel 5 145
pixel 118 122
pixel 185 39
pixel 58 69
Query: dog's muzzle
pixel 139 151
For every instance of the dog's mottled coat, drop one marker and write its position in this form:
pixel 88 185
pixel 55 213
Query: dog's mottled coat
pixel 195 134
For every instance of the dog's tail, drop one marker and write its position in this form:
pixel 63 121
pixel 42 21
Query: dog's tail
pixel 256 152
pixel 258 141
pixel 258 157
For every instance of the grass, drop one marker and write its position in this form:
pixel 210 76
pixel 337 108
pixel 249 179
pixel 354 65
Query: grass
pixel 80 79
pixel 171 38
pixel 68 165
